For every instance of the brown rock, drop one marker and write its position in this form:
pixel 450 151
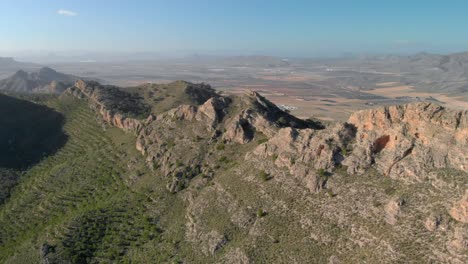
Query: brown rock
pixel 305 151
pixel 459 243
pixel 433 222
pixel 112 103
pixel 407 141
pixel 460 211
pixel 392 210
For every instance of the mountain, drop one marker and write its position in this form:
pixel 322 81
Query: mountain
pixel 178 173
pixel 46 80
pixel 426 72
pixel 9 66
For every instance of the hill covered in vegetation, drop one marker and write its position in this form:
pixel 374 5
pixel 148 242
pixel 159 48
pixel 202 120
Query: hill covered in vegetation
pixel 178 173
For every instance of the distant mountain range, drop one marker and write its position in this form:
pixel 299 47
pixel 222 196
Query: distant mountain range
pixel 46 80
pixel 8 66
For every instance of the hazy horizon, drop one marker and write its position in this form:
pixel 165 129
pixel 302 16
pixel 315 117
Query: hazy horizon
pixel 273 28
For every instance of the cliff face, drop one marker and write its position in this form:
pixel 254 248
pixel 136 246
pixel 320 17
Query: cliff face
pixel 408 141
pixel 114 105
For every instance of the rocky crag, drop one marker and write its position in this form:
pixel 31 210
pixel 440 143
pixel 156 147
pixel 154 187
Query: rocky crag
pixel 404 142
pixel 411 144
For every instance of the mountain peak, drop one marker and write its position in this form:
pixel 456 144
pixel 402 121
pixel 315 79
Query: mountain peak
pixel 44 80
pixel 21 73
pixel 47 70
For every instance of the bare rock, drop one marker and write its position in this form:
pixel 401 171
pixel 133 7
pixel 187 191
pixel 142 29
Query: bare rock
pixel 407 141
pixel 305 151
pixel 260 115
pixel 459 212
pixel 433 222
pixel 392 210
pixel 212 111
pixel 243 127
pixel 115 106
pixel 212 242
pixel 459 242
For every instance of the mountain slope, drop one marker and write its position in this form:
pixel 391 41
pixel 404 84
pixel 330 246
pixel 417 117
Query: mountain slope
pixel 29 132
pixel 228 179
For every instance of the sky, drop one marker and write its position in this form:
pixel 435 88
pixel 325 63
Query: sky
pixel 274 27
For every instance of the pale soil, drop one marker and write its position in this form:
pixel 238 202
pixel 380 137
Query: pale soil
pixel 387 84
pixel 291 78
pixel 405 90
pixel 339 108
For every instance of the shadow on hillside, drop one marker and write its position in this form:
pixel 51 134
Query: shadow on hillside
pixel 28 132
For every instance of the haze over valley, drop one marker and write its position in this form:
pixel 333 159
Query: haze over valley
pixel 330 89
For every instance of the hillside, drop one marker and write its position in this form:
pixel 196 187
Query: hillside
pixel 46 80
pixel 178 173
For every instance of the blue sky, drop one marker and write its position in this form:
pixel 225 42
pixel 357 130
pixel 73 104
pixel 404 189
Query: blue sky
pixel 297 28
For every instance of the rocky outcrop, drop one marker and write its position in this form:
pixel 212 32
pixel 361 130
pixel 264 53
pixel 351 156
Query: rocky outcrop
pixel 459 242
pixel 260 115
pixel 243 127
pixel 115 106
pixel 404 142
pixel 407 141
pixel 308 154
pixel 210 113
pixel 459 212
pixel 392 210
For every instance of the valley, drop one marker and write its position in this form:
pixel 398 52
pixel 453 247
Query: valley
pixel 324 88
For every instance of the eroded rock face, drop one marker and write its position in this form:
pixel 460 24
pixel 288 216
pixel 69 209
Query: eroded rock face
pixel 460 211
pixel 244 126
pixel 114 105
pixel 404 142
pixel 407 141
pixel 211 112
pixel 260 115
pixel 304 152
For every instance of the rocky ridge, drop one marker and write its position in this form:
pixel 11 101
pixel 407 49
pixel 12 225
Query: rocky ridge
pixel 408 141
pixel 116 107
pixel 404 142
pixel 198 144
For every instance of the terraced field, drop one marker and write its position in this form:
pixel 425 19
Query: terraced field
pixel 75 204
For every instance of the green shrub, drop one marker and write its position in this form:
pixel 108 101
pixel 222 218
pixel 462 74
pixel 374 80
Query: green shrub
pixel 260 213
pixel 321 172
pixel 223 159
pixel 330 193
pixel 261 141
pixel 282 121
pixel 220 147
pixel 264 175
pixel 344 151
pixel 275 156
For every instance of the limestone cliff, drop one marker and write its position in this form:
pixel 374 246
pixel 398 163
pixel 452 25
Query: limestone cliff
pixel 115 106
pixel 408 141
